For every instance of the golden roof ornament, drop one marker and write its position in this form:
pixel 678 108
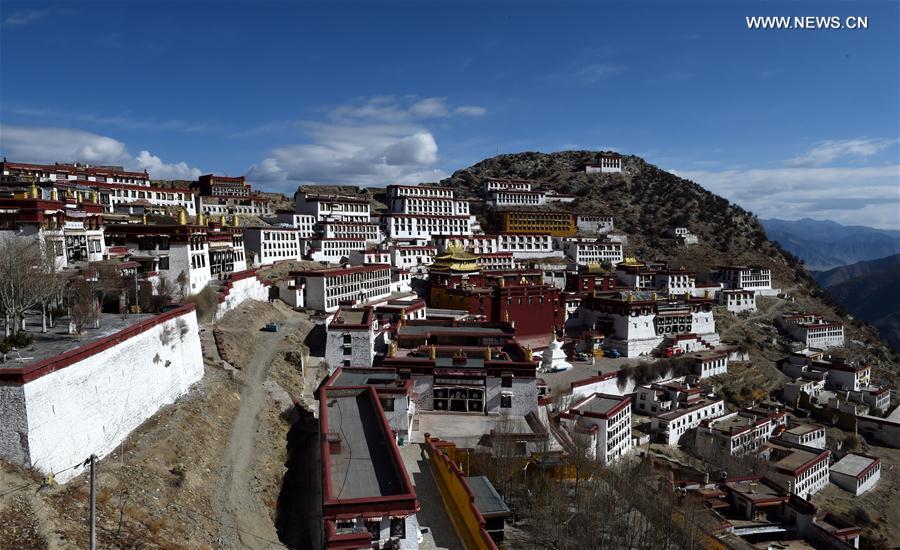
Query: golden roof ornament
pixel 487 353
pixel 706 293
pixel 392 349
pixel 54 194
pixel 653 296
pixel 144 219
pixel 432 352
pixel 502 281
pixel 222 221
pixel 630 297
pixel 505 315
pixel 234 220
pixel 33 192
pixel 402 314
pixel 182 216
pixel 528 353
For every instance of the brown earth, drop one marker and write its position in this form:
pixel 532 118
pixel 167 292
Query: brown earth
pixel 202 473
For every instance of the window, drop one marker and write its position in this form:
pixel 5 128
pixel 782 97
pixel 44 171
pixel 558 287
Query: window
pixel 387 403
pixel 347 338
pixel 506 401
pixel 506 380
pixel 348 351
pixel 164 262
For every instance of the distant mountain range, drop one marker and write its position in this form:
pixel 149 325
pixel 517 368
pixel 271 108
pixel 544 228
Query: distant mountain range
pixel 869 291
pixel 824 245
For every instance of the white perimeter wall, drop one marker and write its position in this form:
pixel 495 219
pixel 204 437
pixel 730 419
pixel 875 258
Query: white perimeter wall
pixel 248 288
pixel 91 406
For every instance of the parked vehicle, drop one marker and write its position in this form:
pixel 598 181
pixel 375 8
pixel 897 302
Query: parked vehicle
pixel 612 353
pixel 271 327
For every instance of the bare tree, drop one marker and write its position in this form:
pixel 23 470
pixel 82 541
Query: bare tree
pixel 27 276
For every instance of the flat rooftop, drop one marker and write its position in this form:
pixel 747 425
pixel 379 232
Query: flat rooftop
pixel 803 429
pixel 364 466
pixel 852 464
pixel 732 424
pixel 365 377
pixel 796 459
pixel 487 500
pixel 416 330
pixel 57 339
pixel 600 404
pixel 755 490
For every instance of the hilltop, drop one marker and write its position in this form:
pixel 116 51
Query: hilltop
pixel 646 201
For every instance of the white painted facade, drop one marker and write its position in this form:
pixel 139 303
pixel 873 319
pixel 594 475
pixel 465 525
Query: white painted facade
pixel 592 251
pixel 608 164
pixel 737 300
pixel 509 197
pixel 856 473
pixel 335 250
pixel 671 426
pixel 273 244
pixel 524 246
pixel 326 289
pixel 594 224
pixel 327 208
pixel 412 226
pixel 58 420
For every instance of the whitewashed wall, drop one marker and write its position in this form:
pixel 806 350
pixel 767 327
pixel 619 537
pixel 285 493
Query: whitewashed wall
pixel 241 286
pixel 91 405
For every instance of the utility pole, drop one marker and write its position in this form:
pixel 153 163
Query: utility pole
pixel 93 462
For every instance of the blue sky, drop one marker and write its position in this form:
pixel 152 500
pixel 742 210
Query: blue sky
pixel 788 123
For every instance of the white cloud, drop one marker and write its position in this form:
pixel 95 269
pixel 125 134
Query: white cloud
pixel 372 141
pixel 431 107
pixel 160 170
pixel 405 109
pixel 827 151
pixel 470 110
pixel 866 195
pixel 48 145
pixel 22 18
pixel 367 154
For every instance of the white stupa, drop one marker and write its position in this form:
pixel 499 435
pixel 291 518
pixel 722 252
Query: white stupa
pixel 554 358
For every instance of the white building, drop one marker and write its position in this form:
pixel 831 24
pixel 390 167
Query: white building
pixel 675 281
pixel 737 300
pixel 304 223
pixel 370 231
pixel 174 249
pixel 672 425
pixel 273 244
pixel 415 226
pixel 524 245
pixel 416 259
pixel 604 422
pixel 813 330
pixel 495 184
pixel 427 200
pixel 327 289
pixel 800 470
pixel 331 207
pixel 856 473
pixel 805 434
pixel 757 279
pixel 498 260
pixel 510 197
pixel 710 363
pixel 594 224
pixel 351 338
pixel 609 163
pixel 335 250
pixel 476 244
pixel 739 433
pixel 685 236
pixel 592 251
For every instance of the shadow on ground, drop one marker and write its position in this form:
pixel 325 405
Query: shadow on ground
pixel 299 521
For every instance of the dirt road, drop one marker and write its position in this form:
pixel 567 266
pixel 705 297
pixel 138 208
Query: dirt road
pixel 238 505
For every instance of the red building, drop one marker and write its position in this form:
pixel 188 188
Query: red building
pixel 516 296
